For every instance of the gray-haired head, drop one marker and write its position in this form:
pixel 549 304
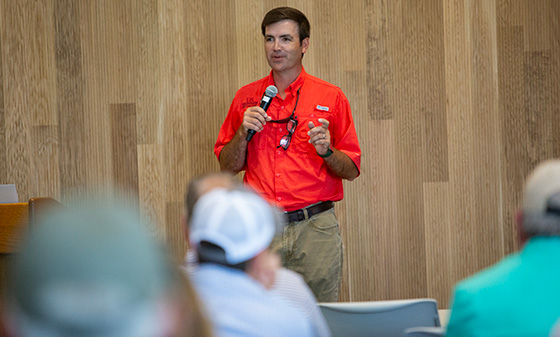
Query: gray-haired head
pixel 541 200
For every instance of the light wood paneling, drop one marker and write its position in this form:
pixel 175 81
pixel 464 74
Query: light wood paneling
pixel 124 151
pixel 454 103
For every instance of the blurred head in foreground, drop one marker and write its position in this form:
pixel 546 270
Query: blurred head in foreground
pixel 540 212
pixel 96 271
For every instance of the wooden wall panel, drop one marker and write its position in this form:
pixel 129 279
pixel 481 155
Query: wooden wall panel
pixel 379 68
pixel 514 128
pixel 97 135
pixel 70 99
pixel 460 142
pixel 454 103
pixel 124 152
pixel 16 78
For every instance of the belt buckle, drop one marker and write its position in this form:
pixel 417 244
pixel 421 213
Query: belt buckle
pixel 300 214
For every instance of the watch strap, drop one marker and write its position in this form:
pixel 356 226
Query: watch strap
pixel 326 155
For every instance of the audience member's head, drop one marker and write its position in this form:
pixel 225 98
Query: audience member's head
pixel 93 271
pixel 234 228
pixel 540 212
pixel 197 187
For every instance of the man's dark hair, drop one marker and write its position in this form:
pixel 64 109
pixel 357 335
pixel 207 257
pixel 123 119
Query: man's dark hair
pixel 287 13
pixel 193 188
pixel 191 196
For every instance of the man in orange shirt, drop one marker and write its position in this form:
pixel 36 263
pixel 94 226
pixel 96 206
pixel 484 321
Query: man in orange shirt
pixel 304 145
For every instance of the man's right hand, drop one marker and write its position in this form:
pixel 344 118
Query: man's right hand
pixel 232 157
pixel 254 118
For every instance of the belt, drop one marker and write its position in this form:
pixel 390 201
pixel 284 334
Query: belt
pixel 308 212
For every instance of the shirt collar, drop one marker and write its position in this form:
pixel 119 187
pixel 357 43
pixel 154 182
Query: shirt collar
pixel 294 87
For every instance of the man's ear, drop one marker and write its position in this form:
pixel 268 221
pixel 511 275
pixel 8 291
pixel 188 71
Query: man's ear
pixel 521 235
pixel 305 45
pixel 263 267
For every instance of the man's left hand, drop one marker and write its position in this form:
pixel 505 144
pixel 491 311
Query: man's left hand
pixel 320 136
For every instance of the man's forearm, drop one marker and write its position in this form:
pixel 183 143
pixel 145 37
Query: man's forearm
pixel 234 153
pixel 341 165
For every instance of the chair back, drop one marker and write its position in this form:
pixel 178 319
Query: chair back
pixel 379 318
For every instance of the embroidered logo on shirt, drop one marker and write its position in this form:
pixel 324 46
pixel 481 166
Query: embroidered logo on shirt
pixel 323 108
pixel 249 102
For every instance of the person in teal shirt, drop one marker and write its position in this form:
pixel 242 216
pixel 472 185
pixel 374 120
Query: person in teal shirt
pixel 520 295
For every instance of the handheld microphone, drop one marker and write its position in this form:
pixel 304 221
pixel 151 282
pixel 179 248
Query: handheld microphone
pixel 269 94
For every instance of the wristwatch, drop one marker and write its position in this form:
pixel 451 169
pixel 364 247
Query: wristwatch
pixel 326 155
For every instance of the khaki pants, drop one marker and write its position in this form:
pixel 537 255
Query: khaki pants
pixel 313 248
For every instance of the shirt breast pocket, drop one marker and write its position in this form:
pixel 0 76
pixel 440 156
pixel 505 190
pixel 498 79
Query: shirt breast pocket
pixel 301 138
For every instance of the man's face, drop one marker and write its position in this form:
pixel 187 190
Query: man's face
pixel 282 46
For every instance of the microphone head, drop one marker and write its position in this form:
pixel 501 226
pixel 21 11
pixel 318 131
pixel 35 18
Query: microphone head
pixel 271 91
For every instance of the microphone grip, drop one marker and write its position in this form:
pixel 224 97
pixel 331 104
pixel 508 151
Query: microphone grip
pixel 250 135
pixel 265 102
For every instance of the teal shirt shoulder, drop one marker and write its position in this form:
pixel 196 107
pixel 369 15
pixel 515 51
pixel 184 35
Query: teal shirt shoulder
pixel 518 296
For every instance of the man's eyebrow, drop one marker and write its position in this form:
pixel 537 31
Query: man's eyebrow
pixel 281 36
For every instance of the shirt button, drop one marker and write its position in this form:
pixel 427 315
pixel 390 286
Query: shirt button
pixel 279 152
pixel 282 108
pixel 277 175
pixel 279 198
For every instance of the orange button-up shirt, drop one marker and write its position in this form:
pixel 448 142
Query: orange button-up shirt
pixel 296 177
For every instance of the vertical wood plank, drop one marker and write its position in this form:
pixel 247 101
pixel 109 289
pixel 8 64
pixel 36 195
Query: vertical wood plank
pixel 411 267
pixel 150 180
pixel 122 46
pixel 3 140
pixel 379 68
pixel 70 98
pixel 432 92
pixel 40 61
pixel 438 249
pixel 124 152
pixel 459 110
pixel 174 84
pixel 46 161
pixel 176 237
pixel 514 128
pixel 149 108
pixel 372 247
pixel 16 79
pixel 486 223
pixel 554 73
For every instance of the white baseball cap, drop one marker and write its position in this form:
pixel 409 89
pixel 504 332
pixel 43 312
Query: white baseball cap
pixel 240 222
